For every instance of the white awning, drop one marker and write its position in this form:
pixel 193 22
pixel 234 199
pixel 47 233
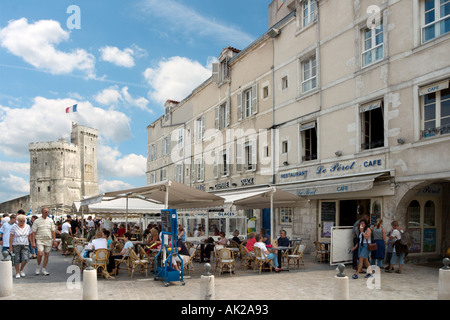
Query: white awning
pixel 338 185
pixel 171 194
pixel 114 206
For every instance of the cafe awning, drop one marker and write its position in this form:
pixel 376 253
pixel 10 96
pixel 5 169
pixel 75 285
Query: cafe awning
pixel 337 185
pixel 170 194
pixel 260 198
pixel 118 207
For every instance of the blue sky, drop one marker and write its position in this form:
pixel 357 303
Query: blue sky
pixel 121 64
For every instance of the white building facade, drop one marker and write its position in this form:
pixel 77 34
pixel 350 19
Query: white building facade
pixel 343 103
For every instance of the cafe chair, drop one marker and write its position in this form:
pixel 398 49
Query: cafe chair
pixel 189 266
pixel 216 254
pixel 69 245
pixel 296 256
pixel 135 261
pixel 261 260
pixel 119 261
pixel 100 259
pixel 77 259
pixel 145 256
pixel 226 261
pixel 246 257
pixel 321 252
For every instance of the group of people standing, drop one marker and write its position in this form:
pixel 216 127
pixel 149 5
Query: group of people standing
pixel 17 237
pixel 364 236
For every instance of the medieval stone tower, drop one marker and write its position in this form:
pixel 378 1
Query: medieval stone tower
pixel 61 172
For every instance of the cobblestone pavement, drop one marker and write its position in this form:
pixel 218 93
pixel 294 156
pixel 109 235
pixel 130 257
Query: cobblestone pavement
pixel 315 281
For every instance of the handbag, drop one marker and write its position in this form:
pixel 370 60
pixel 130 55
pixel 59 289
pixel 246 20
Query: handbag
pixel 372 247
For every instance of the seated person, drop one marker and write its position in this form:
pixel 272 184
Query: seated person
pixel 251 241
pixel 124 253
pixel 100 240
pixel 184 254
pixel 272 256
pixel 265 237
pixel 222 239
pixel 236 237
pixel 283 241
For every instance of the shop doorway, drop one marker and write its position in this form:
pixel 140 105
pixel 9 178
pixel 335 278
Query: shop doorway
pixel 352 210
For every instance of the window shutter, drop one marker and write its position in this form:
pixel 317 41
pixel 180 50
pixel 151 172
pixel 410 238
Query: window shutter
pixel 203 127
pixel 215 72
pixel 253 153
pixel 216 165
pixel 239 97
pixel 163 146
pixel 228 115
pixel 239 156
pixel 255 98
pixel 202 171
pixel 218 117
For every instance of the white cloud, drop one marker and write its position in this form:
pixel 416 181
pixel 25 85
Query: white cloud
pixel 46 120
pixel 111 162
pixel 189 23
pixel 15 184
pixel 113 96
pixel 113 185
pixel 175 78
pixel 120 58
pixel 35 43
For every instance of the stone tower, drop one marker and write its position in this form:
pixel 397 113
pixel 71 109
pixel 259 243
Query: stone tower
pixel 61 172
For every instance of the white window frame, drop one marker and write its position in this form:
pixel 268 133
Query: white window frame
pixel 199 170
pixel 199 128
pixel 305 130
pixel 286 213
pixel 309 9
pixel 436 22
pixel 248 102
pixel 371 45
pixel 309 82
pixel 152 152
pixel 438 128
pixel 250 155
pixel 180 138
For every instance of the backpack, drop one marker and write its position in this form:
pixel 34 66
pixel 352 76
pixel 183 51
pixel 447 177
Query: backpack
pixel 406 239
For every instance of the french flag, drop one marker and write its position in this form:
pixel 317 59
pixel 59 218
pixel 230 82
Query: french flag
pixel 71 109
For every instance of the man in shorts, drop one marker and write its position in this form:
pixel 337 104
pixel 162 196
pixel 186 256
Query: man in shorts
pixel 45 236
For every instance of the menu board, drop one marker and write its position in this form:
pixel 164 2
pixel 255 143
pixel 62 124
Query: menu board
pixel 166 224
pixel 328 211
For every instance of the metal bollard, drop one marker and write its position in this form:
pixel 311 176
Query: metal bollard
pixel 341 289
pixel 444 281
pixel 90 291
pixel 6 278
pixel 207 288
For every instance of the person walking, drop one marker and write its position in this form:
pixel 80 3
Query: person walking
pixel 379 237
pixel 395 236
pixel 5 232
pixel 66 233
pixel 19 242
pixel 45 236
pixel 362 246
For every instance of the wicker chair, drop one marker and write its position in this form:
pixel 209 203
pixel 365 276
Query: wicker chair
pixel 297 256
pixel 216 254
pixel 134 261
pixel 77 258
pixel 145 256
pixel 261 260
pixel 100 259
pixel 189 266
pixel 321 252
pixel 226 261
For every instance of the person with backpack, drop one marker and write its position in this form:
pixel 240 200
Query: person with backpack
pixel 399 250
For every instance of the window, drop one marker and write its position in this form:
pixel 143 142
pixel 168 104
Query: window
pixel 223 116
pixel 199 169
pixel 309 74
pixel 266 92
pixel 372 125
pixel 247 102
pixel 308 11
pixel 421 222
pixel 250 155
pixel 286 215
pixel 49 189
pixel 180 138
pixel 165 145
pixel 163 174
pixel 167 113
pixel 225 164
pixel 284 83
pixel 436 110
pixel 223 70
pixel 372 45
pixel 199 128
pixel 435 19
pixel 152 152
pixel 178 173
pixel 284 147
pixel 152 178
pixel 309 140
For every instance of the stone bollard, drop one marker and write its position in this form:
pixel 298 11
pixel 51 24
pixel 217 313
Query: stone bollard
pixel 6 277
pixel 444 281
pixel 90 291
pixel 207 288
pixel 341 290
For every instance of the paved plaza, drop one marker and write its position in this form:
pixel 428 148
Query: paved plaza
pixel 313 282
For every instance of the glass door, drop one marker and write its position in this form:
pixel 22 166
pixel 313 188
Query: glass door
pixel 329 213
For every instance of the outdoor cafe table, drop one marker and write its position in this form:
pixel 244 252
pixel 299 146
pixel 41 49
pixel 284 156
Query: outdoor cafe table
pixel 280 254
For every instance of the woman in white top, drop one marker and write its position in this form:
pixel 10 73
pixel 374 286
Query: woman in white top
pixel 362 246
pixel 19 241
pixel 99 242
pixel 396 235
